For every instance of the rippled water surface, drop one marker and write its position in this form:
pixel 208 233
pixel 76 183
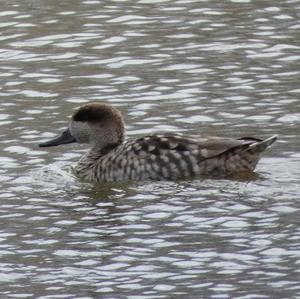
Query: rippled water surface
pixel 220 67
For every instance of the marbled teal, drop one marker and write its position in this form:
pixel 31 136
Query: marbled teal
pixel 155 157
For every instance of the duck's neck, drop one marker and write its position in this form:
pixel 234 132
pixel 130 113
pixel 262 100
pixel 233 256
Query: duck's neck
pixel 106 149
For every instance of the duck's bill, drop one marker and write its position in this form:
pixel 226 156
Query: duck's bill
pixel 65 138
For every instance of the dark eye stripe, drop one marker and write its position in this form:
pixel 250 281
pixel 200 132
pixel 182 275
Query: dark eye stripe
pixel 97 112
pixel 92 114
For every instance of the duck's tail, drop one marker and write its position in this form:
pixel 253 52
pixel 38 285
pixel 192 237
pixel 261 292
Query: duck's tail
pixel 260 146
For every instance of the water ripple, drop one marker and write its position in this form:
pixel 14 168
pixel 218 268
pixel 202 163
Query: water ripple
pixel 183 66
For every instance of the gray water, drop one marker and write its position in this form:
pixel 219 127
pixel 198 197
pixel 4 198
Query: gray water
pixel 221 67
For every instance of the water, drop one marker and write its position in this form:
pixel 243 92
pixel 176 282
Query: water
pixel 229 68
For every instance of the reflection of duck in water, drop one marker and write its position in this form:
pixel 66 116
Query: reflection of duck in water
pixel 155 157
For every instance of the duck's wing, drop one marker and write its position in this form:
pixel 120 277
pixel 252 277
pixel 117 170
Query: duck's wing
pixel 202 147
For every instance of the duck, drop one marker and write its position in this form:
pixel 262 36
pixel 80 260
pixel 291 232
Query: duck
pixel 167 156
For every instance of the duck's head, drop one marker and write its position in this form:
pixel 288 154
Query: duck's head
pixel 97 124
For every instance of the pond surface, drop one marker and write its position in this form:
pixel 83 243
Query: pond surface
pixel 222 67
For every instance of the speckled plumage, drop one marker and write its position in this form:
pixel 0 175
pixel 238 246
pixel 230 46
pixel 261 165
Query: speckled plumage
pixel 157 157
pixel 169 156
